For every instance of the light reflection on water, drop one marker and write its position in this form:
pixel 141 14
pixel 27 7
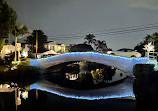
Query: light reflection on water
pixel 145 90
pixel 124 89
pixel 119 90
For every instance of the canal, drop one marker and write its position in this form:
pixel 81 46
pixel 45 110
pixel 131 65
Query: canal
pixel 74 86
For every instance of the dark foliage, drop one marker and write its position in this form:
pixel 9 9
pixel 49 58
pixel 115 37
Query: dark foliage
pixel 145 88
pixel 149 38
pixel 81 48
pixel 42 38
pixel 99 46
pixel 23 75
pixel 7 19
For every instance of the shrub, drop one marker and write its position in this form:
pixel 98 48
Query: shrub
pixel 143 70
pixel 23 75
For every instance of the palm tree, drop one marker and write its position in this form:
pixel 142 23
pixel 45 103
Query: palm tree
pixel 20 31
pixel 101 46
pixel 90 39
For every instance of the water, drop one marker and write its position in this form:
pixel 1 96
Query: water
pixel 124 89
pixel 47 93
pixel 50 101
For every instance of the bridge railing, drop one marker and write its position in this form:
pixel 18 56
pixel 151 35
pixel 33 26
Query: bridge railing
pixel 153 56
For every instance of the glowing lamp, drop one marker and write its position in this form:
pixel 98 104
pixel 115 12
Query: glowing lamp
pixel 7 51
pixel 109 52
pixel 149 47
pixel 59 48
pixel 24 53
pixel 25 95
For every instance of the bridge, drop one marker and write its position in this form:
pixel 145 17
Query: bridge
pixel 123 63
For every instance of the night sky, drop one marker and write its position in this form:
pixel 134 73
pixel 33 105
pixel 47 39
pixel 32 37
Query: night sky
pixel 68 21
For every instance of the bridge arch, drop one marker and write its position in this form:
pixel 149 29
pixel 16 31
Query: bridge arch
pixel 123 63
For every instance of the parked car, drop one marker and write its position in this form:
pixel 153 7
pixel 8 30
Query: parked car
pixel 125 52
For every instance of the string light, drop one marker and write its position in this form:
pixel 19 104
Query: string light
pixel 123 63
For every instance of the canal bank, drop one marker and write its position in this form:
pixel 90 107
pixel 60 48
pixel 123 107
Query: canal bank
pixel 145 87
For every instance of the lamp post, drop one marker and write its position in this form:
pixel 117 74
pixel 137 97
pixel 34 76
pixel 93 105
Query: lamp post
pixel 36 58
pixel 36 42
pixel 15 57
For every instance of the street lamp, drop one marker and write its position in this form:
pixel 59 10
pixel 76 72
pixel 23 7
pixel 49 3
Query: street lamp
pixel 7 51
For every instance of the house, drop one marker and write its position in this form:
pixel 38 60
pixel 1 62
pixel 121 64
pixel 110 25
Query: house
pixel 53 45
pixel 10 49
pixel 47 54
pixel 71 76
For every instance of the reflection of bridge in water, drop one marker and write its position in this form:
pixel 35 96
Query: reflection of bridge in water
pixel 123 63
pixel 124 89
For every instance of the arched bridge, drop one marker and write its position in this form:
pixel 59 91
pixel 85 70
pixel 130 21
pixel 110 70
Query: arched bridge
pixel 123 63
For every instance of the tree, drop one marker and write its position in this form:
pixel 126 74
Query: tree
pixel 140 49
pixel 101 46
pixel 8 19
pixel 90 39
pixel 98 45
pixel 85 80
pixel 20 31
pixel 81 48
pixel 149 38
pixel 42 38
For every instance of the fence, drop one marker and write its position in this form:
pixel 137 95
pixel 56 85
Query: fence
pixel 153 56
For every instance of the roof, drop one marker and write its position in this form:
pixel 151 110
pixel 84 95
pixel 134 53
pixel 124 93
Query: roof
pixel 49 52
pixel 49 41
pixel 81 48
